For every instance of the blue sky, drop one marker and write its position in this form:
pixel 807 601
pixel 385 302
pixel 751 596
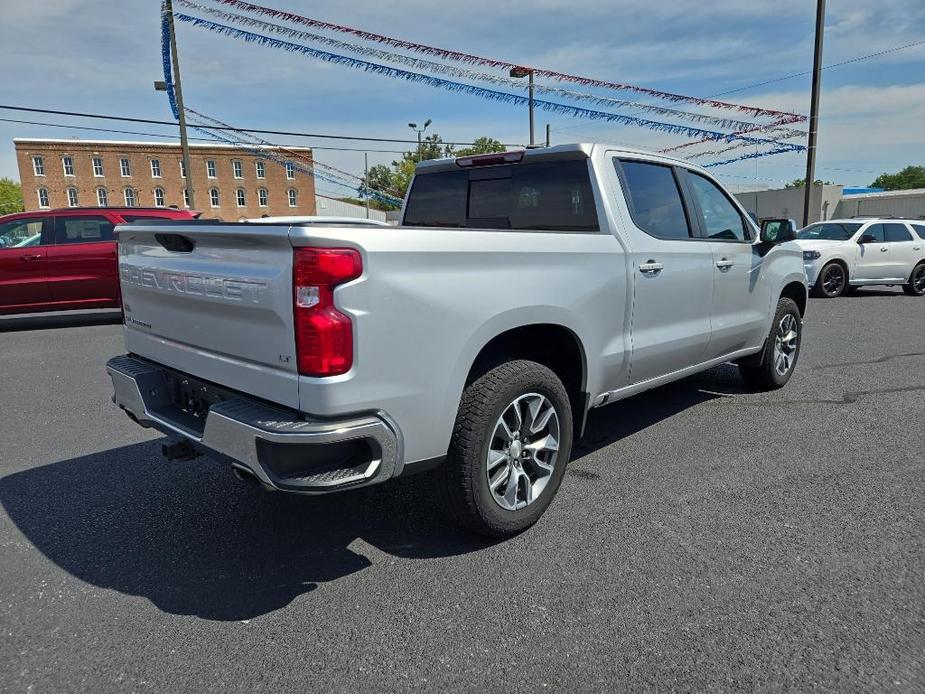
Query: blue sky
pixel 103 57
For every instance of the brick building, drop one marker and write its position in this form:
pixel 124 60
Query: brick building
pixel 228 183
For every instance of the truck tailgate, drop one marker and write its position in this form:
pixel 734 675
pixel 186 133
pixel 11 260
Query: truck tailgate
pixel 214 301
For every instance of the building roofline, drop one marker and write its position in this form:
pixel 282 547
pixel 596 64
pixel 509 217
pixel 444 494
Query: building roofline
pixel 136 143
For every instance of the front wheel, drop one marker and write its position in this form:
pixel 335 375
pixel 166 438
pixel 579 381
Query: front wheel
pixel 510 446
pixel 832 281
pixel 916 286
pixel 781 350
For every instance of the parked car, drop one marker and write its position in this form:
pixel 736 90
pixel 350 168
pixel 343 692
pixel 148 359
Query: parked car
pixel 842 254
pixel 521 290
pixel 53 260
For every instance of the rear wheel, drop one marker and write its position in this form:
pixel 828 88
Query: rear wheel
pixel 781 350
pixel 832 281
pixel 916 286
pixel 510 446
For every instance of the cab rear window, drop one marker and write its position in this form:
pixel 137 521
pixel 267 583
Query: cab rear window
pixel 543 196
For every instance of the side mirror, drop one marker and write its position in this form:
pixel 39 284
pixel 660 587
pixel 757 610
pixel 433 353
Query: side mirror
pixel 777 231
pixel 867 238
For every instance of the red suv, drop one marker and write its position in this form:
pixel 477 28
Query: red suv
pixel 53 260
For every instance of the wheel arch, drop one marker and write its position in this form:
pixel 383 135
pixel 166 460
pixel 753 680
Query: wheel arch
pixel 551 344
pixel 796 291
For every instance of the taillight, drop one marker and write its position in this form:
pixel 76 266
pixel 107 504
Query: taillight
pixel 323 335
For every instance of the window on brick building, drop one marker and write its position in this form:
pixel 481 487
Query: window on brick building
pixel 43 197
pixel 38 166
pixel 210 168
pixel 158 197
pixel 125 167
pixel 293 197
pixel 182 169
pixel 213 197
pixel 68 163
pixel 72 197
pixel 262 197
pixel 102 197
pixel 98 166
pixel 155 168
pixel 186 197
pixel 290 170
pixel 238 168
pixel 242 198
pixel 261 170
pixel 131 200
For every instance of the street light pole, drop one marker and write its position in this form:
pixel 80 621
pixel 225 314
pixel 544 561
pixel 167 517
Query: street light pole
pixel 814 112
pixel 178 93
pixel 527 72
pixel 419 131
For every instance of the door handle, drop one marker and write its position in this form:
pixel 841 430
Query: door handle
pixel 650 267
pixel 884 250
pixel 915 248
pixel 31 257
pixel 724 264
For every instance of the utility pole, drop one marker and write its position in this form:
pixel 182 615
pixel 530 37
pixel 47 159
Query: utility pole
pixel 814 112
pixel 366 180
pixel 548 137
pixel 527 72
pixel 178 93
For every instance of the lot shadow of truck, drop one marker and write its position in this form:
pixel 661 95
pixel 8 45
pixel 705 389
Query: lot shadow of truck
pixel 195 541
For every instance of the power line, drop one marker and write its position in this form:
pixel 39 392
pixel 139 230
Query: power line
pixel 174 137
pixel 288 133
pixel 824 67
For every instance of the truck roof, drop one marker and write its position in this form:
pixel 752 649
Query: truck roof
pixel 564 152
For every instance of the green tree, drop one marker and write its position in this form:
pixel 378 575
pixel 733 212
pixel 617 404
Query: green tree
pixel 395 180
pixel 482 145
pixel 800 182
pixel 10 196
pixel 432 147
pixel 910 177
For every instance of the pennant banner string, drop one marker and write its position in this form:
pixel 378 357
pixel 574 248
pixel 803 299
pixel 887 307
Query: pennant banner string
pixel 783 116
pixel 458 87
pixel 464 73
pixel 254 139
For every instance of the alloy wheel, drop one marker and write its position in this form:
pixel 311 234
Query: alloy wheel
pixel 918 279
pixel 522 452
pixel 833 281
pixel 785 344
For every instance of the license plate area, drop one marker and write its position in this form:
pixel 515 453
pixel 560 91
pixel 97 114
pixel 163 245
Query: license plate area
pixel 187 401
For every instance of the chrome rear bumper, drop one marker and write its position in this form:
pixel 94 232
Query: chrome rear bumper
pixel 282 449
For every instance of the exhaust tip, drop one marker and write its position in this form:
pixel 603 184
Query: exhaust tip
pixel 247 475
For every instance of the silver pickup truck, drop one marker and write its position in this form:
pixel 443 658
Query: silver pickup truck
pixel 521 290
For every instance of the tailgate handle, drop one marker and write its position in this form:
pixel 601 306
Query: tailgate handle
pixel 175 242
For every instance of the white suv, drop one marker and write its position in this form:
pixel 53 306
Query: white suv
pixel 841 254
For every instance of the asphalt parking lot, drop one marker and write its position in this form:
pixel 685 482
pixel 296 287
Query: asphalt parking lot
pixel 704 539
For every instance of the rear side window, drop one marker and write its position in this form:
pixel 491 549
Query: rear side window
pixel 82 230
pixel 896 233
pixel 721 220
pixel 655 199
pixel 542 196
pixel 919 229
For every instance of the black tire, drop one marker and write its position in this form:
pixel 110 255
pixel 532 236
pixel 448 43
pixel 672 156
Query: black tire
pixel 916 285
pixel 832 281
pixel 461 487
pixel 762 373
